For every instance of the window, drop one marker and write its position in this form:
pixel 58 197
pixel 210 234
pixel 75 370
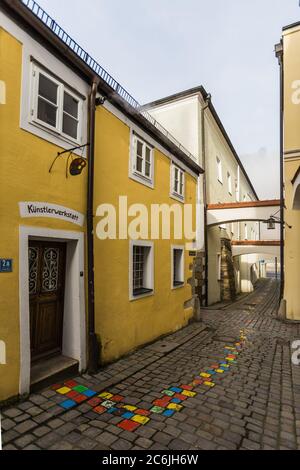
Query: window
pixel 219 170
pixel 141 160
pixel 229 182
pixel 54 106
pixel 219 266
pixel 141 269
pixel 232 228
pixel 177 265
pixel 246 232
pixel 177 182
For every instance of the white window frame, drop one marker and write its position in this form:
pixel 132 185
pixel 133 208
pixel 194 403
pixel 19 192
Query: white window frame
pixel 149 269
pixel 36 70
pixel 245 232
pixel 181 268
pixel 229 182
pixel 219 170
pixel 138 176
pixel 219 266
pixel 179 196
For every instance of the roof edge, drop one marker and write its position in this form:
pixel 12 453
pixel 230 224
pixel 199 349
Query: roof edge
pixel 42 32
pixel 200 89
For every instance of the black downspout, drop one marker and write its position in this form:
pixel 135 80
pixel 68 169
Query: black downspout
pixel 93 346
pixel 208 98
pixel 279 54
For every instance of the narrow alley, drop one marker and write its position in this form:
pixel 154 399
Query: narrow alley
pixel 224 383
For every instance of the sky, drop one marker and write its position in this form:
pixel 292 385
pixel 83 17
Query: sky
pixel 155 48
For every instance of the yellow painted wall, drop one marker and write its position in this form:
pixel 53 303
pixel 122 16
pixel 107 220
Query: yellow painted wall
pixel 292 246
pixel 122 324
pixel 24 163
pixel 291 61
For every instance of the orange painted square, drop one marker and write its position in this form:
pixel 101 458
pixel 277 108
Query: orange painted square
pixel 128 425
pixel 100 409
pixel 142 412
pixel 117 398
pixel 80 398
pixel 180 396
pixel 186 387
pixel 72 394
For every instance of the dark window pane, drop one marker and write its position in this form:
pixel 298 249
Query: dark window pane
pixel 139 164
pixel 148 154
pixel 70 126
pixel 46 112
pixel 70 105
pixel 48 89
pixel 147 169
pixel 139 148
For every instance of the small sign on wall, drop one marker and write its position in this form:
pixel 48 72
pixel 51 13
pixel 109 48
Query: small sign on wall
pixel 5 265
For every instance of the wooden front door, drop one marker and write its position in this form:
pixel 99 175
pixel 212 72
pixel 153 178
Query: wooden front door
pixel 47 262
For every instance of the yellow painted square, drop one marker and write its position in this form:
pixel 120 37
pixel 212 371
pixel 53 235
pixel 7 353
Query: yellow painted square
pixel 187 393
pixel 209 384
pixel 63 390
pixel 105 395
pixel 204 374
pixel 220 371
pixel 174 406
pixel 129 407
pixel 140 419
pixel 229 359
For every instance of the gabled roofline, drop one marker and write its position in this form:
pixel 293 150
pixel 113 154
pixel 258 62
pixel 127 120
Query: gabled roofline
pixel 196 90
pixel 28 14
pixel 290 26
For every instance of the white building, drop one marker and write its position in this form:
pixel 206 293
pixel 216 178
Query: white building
pixel 193 120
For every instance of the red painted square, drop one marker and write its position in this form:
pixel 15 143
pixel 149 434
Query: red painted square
pixel 117 398
pixel 128 425
pixel 56 386
pixel 163 402
pixel 232 356
pixel 180 396
pixel 72 394
pixel 71 383
pixel 80 398
pixel 142 412
pixel 198 381
pixel 100 409
pixel 94 401
pixel 186 387
pixel 215 366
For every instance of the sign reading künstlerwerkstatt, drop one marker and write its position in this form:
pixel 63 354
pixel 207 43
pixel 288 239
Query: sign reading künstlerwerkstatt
pixel 45 209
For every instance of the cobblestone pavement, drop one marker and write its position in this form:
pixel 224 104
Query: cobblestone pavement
pixel 253 405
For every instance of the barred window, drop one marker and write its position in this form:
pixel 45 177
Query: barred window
pixel 142 269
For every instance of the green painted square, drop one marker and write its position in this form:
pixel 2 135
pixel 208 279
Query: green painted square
pixel 80 388
pixel 157 409
pixel 168 392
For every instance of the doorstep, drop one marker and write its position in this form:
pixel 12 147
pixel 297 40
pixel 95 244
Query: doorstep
pixel 48 371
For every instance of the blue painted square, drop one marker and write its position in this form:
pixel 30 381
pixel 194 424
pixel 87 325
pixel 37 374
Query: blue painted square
pixel 176 389
pixel 89 393
pixel 168 413
pixel 112 410
pixel 127 415
pixel 225 369
pixel 211 371
pixel 68 404
pixel 175 400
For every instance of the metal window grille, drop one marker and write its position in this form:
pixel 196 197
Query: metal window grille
pixel 138 267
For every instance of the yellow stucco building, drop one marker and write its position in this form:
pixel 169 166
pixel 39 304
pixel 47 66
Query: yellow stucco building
pixel 289 58
pixel 78 289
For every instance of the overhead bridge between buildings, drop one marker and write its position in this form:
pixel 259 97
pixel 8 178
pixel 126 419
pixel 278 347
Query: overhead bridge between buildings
pixel 247 247
pixel 223 213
